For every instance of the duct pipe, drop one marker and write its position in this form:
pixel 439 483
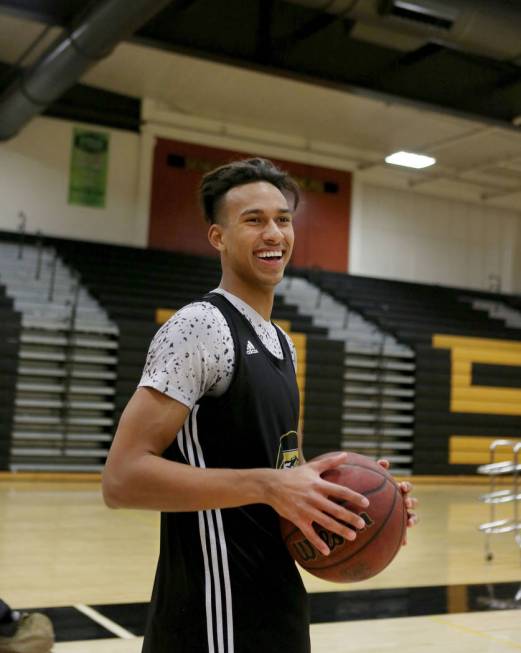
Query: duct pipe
pixel 91 38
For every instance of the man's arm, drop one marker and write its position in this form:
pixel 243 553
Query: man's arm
pixel 136 476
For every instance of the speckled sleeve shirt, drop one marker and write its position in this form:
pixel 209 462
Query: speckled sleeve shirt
pixel 192 354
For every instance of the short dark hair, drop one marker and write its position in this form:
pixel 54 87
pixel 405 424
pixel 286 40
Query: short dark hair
pixel 216 183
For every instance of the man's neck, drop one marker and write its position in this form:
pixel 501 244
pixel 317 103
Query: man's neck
pixel 260 299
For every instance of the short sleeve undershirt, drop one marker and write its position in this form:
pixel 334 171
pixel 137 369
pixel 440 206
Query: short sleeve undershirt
pixel 193 354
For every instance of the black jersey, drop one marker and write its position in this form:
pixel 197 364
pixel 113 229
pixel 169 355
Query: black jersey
pixel 225 582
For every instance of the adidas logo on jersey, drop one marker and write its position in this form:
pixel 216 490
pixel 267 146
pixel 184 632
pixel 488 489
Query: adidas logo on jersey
pixel 250 349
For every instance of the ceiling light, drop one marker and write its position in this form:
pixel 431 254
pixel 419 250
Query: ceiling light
pixel 410 160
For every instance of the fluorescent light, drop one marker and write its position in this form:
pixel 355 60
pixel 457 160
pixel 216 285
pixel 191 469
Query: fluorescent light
pixel 410 160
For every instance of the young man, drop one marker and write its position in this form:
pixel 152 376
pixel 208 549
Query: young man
pixel 204 438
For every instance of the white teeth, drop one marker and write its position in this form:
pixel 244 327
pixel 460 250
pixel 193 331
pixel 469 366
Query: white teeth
pixel 269 254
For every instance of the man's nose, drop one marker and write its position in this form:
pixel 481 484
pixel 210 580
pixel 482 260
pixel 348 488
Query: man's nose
pixel 272 231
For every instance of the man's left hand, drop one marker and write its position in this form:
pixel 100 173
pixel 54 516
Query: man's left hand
pixel 410 502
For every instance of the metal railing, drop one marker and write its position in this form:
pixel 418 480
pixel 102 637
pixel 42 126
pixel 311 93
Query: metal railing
pixel 496 497
pixel 39 244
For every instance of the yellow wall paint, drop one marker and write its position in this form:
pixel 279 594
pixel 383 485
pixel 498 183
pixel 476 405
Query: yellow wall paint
pixel 474 450
pixel 468 398
pixel 441 341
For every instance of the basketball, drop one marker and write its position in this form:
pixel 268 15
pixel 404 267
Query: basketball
pixel 375 546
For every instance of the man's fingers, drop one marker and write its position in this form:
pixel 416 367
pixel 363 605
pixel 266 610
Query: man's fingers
pixel 383 462
pixel 324 521
pixel 345 494
pixel 336 527
pixel 336 516
pixel 314 538
pixel 329 462
pixel 334 489
pixel 405 487
pixel 411 503
pixel 412 519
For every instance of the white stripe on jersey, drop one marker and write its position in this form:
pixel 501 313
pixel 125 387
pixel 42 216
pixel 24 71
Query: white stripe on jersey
pixel 216 541
pixel 227 585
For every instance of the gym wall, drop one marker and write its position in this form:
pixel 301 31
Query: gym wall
pixel 35 177
pixel 176 222
pixel 406 236
pixel 392 233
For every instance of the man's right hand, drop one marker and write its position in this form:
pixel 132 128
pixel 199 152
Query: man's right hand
pixel 303 497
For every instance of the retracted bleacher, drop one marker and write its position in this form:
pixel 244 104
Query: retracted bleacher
pixel 468 358
pixel 421 374
pixel 141 288
pixel 57 386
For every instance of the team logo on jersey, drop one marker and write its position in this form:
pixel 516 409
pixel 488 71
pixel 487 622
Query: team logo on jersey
pixel 288 455
pixel 250 348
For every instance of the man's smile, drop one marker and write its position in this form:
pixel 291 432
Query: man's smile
pixel 270 255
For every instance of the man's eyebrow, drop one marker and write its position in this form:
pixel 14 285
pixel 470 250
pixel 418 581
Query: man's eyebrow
pixel 259 211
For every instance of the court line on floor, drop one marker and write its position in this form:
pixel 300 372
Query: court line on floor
pixel 478 633
pixel 108 624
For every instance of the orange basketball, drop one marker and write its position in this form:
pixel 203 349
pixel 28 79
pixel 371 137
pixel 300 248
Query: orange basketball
pixel 375 546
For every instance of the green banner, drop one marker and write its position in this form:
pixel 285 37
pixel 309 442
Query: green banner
pixel 88 171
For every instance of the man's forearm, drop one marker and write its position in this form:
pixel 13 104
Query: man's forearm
pixel 154 483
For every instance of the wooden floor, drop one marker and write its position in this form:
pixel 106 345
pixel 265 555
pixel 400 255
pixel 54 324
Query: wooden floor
pixel 59 546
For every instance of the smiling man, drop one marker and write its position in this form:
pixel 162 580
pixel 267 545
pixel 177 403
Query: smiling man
pixel 209 439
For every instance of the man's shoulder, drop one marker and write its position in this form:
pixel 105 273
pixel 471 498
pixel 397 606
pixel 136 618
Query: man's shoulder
pixel 197 322
pixel 196 313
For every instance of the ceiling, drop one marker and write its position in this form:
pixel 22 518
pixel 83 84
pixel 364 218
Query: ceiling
pixel 341 82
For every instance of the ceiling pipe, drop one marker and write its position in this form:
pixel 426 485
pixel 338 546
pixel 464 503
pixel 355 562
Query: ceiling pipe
pixel 92 37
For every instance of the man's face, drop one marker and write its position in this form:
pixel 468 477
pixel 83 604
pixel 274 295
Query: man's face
pixel 254 233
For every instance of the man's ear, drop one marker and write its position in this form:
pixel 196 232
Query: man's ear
pixel 215 236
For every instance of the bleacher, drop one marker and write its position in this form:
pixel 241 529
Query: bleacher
pixel 360 393
pixel 413 311
pixel 386 368
pixel 466 358
pixel 140 289
pixel 60 378
pixel 342 406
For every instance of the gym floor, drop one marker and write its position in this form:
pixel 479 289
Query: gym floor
pixel 91 570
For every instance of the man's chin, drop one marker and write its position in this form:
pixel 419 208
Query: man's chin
pixel 271 280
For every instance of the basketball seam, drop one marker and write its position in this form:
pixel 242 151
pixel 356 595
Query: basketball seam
pixel 375 489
